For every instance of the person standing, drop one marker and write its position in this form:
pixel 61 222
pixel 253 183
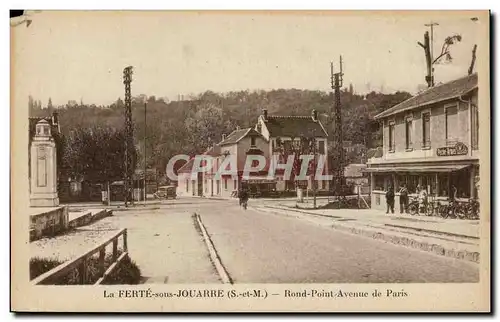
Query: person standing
pixel 403 199
pixel 422 198
pixel 389 199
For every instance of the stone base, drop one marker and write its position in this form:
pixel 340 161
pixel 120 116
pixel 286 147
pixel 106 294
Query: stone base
pixel 44 202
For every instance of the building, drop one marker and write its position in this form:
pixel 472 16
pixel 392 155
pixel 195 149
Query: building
pixel 237 146
pixel 290 129
pixel 261 140
pixel 186 184
pixel 431 140
pixel 357 178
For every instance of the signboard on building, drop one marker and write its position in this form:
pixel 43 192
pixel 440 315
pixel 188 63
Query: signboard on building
pixel 458 149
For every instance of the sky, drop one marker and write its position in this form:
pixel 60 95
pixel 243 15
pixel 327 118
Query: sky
pixel 81 55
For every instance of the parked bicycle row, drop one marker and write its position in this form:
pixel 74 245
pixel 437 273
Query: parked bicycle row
pixel 431 206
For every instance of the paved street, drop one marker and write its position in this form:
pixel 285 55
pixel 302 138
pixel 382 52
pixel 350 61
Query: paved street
pixel 261 247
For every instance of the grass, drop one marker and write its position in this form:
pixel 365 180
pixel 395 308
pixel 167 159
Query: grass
pixel 126 273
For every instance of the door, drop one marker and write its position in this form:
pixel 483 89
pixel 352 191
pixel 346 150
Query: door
pixel 193 187
pixel 200 184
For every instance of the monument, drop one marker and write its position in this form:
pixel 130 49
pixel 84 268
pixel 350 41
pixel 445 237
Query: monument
pixel 43 185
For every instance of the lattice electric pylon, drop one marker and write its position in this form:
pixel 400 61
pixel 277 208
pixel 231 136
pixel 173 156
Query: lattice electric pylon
pixel 129 141
pixel 338 141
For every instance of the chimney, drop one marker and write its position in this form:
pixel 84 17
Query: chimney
pixel 314 115
pixel 55 120
pixel 237 127
pixel 223 137
pixel 264 113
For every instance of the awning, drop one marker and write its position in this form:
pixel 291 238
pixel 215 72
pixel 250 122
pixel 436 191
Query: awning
pixel 417 169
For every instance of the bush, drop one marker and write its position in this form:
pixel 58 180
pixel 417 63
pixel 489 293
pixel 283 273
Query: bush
pixel 126 273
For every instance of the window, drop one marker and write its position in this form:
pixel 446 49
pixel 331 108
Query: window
pixel 235 184
pixel 379 182
pixel 187 185
pixel 429 183
pixel 426 130
pixel 252 139
pixel 451 124
pixel 287 145
pixel 443 183
pixel 409 132
pixel 206 185
pixel 321 147
pixel 475 127
pixel 392 142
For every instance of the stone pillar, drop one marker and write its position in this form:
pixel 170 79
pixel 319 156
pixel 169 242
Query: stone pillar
pixel 437 185
pixel 43 184
pixel 472 183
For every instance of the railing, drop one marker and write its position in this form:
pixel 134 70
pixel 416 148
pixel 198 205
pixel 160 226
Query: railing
pixel 81 263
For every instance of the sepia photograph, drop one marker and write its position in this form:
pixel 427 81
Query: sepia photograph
pixel 163 160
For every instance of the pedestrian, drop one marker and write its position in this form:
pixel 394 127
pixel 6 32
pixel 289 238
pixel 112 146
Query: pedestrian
pixel 403 199
pixel 243 196
pixel 453 195
pixel 422 198
pixel 389 199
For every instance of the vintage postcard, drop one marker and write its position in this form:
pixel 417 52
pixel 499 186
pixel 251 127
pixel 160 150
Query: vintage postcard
pixel 250 161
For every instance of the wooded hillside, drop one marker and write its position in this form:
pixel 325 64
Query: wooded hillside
pixel 191 125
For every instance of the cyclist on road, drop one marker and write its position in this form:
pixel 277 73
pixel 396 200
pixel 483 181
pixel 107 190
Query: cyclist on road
pixel 243 196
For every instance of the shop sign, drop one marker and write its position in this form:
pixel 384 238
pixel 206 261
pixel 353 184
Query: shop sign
pixel 458 149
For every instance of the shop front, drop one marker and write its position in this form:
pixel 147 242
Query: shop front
pixel 259 186
pixel 439 180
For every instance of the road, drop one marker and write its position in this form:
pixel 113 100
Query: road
pixel 259 247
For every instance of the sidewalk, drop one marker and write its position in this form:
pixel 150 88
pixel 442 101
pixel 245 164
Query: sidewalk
pixel 115 205
pixel 448 237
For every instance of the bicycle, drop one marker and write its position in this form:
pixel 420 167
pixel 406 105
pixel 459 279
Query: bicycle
pixel 413 206
pixel 473 209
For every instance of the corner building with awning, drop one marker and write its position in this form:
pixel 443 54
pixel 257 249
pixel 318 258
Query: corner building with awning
pixel 431 140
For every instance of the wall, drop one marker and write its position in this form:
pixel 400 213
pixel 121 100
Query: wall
pixel 461 131
pixel 49 223
pixel 181 188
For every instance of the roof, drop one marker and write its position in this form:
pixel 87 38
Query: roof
pixel 434 94
pixel 213 151
pixel 294 126
pixel 418 168
pixel 186 168
pixel 354 170
pixel 238 135
pixel 374 153
pixel 33 121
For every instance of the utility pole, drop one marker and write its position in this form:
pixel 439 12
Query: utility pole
pixel 127 79
pixel 145 127
pixel 338 148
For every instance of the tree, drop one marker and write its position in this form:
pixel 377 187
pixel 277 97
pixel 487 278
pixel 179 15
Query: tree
pixel 473 60
pixel 443 56
pixel 96 154
pixel 49 105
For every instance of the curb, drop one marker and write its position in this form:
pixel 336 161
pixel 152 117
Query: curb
pixel 411 243
pixel 221 270
pixel 471 256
